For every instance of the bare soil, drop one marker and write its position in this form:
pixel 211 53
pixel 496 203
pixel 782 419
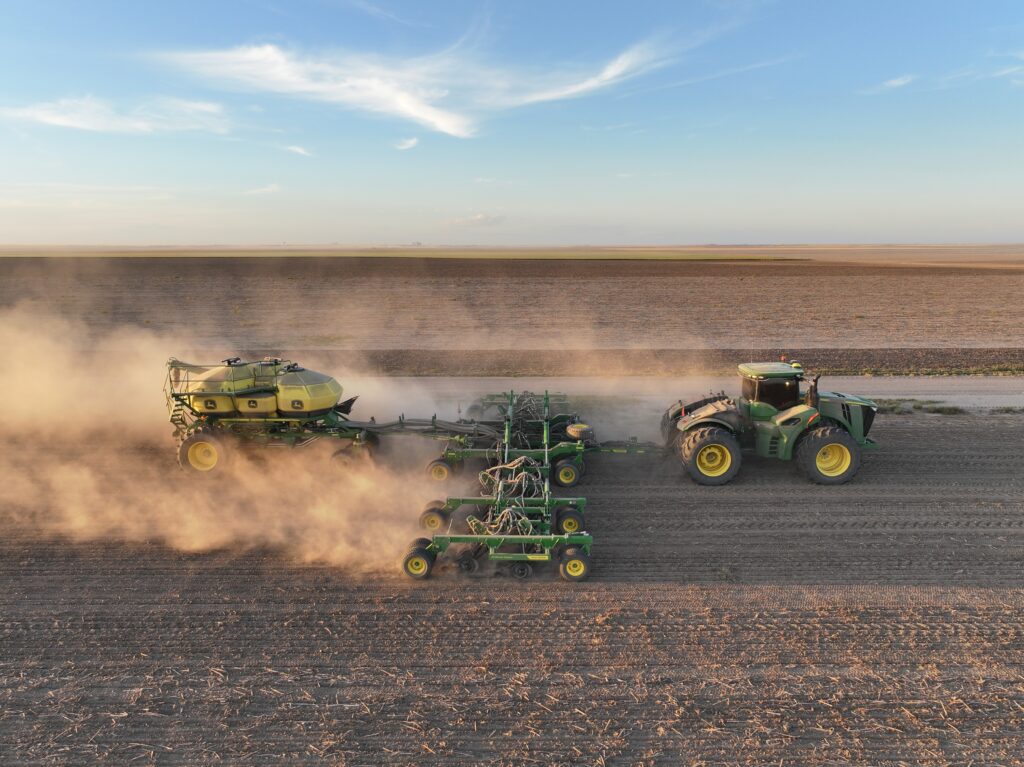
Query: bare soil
pixel 770 620
pixel 472 317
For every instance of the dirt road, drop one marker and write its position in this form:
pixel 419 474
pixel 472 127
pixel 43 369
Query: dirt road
pixel 769 621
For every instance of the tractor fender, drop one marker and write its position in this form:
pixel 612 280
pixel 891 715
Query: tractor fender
pixel 685 426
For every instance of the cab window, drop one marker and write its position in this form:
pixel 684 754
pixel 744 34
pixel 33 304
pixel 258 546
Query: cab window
pixel 750 389
pixel 780 393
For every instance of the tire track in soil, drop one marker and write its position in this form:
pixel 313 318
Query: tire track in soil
pixel 771 620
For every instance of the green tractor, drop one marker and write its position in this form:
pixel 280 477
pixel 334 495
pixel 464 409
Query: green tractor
pixel 824 432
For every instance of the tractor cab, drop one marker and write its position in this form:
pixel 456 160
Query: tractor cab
pixel 768 388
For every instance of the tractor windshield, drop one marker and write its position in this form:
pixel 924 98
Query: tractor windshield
pixel 750 389
pixel 780 393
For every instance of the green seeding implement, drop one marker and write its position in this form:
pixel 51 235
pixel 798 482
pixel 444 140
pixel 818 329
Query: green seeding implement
pixel 524 445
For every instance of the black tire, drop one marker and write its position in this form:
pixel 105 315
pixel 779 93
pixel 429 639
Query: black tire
pixel 565 473
pixel 352 455
pixel 828 455
pixel 202 454
pixel 711 455
pixel 521 570
pixel 434 520
pixel 568 521
pixel 420 543
pixel 574 565
pixel 418 563
pixel 467 561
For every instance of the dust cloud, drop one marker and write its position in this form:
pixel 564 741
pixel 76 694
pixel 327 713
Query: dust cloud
pixel 86 454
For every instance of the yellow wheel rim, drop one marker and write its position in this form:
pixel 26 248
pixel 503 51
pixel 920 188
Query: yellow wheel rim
pixel 202 456
pixel 570 525
pixel 714 460
pixel 575 567
pixel 439 471
pixel 566 474
pixel 416 565
pixel 432 522
pixel 833 460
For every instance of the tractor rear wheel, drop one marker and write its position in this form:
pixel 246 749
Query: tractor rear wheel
pixel 828 455
pixel 202 453
pixel 711 455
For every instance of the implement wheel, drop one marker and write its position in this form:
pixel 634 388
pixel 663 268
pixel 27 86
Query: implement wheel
pixel 439 470
pixel 202 453
pixel 574 565
pixel 418 563
pixel 711 455
pixel 566 473
pixel 828 455
pixel 580 432
pixel 568 520
pixel 434 519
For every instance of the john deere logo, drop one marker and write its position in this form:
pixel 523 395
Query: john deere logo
pixel 210 404
pixel 252 404
pixel 296 404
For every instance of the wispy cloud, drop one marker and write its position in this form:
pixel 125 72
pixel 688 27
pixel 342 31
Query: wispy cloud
pixel 406 143
pixel 299 150
pixel 380 12
pixel 718 75
pixel 890 85
pixel 92 114
pixel 449 92
pixel 268 189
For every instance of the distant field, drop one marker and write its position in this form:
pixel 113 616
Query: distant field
pixel 975 255
pixel 436 316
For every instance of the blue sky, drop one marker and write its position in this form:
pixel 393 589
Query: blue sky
pixel 527 123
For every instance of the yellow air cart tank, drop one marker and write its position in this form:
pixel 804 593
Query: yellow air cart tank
pixel 305 393
pixel 215 387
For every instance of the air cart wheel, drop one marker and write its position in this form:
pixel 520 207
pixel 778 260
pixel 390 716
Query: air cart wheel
pixel 439 470
pixel 568 521
pixel 352 455
pixel 574 565
pixel 418 563
pixel 828 455
pixel 711 456
pixel 521 570
pixel 434 519
pixel 202 453
pixel 566 473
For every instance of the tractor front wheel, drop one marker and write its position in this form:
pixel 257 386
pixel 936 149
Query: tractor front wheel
pixel 828 455
pixel 711 455
pixel 202 453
